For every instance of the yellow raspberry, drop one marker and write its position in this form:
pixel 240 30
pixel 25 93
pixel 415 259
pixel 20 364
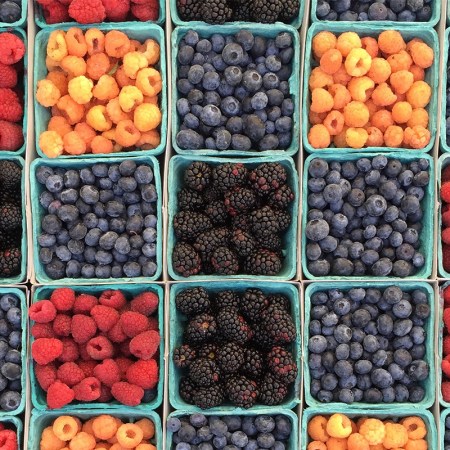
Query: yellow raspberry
pixel 373 431
pixel 57 46
pixel 129 435
pixel 348 41
pixel 147 117
pixel 396 436
pixel 147 427
pixel 106 88
pixel 115 112
pixel 60 125
pixel 133 62
pixel 151 51
pixel 74 144
pixel 97 118
pixel 82 441
pixel 130 97
pixel 356 137
pixel 357 442
pixel 149 140
pixel 317 427
pixel 80 89
pixel 322 42
pixel 51 143
pixel 47 93
pixel 419 94
pixel 149 81
pixel 339 426
pixel 104 426
pixel 74 65
pixel 65 427
pixel 415 427
pixel 49 440
pixel 358 62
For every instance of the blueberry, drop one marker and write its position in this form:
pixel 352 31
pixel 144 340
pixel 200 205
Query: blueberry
pixel 8 301
pixel 13 356
pixel 265 440
pixel 317 344
pixel 377 11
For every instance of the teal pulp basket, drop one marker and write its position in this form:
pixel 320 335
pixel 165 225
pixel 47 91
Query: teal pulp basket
pixel 268 31
pixel 443 162
pixel 177 166
pixel 38 396
pixel 18 23
pixel 443 130
pixel 43 419
pixel 429 384
pixel 38 213
pixel 426 235
pixel 439 376
pixel 134 30
pixel 15 424
pixel 372 29
pixel 178 321
pixel 444 415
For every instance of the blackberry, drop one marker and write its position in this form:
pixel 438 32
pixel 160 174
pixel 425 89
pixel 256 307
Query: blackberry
pixel 242 242
pixel 183 356
pixel 279 325
pixel 10 239
pixel 203 372
pixel 233 326
pixel 264 222
pixel 187 390
pixel 209 397
pixel 207 350
pixel 14 197
pixel 241 11
pixel 290 10
pixel 282 365
pixel 10 175
pixel 261 338
pixel 267 176
pixel 187 225
pixel 212 193
pixel 272 242
pixel 230 357
pixel 253 303
pixel 239 200
pixel 193 301
pixel 10 262
pixel 253 365
pixel 217 212
pixel 10 217
pixel 241 391
pixel 185 260
pixel 242 222
pixel 266 11
pixel 189 200
pixel 281 197
pixel 229 175
pixel 284 219
pixel 272 391
pixel 208 241
pixel 200 329
pixel 216 11
pixel 197 175
pixel 279 301
pixel 225 261
pixel 262 262
pixel 227 299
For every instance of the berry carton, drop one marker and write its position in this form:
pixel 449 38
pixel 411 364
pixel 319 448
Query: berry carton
pixel 16 425
pixel 21 20
pixel 440 330
pixel 443 419
pixel 443 162
pixel 445 145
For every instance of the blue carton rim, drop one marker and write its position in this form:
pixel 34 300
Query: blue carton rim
pixel 443 162
pixel 179 162
pixel 76 163
pixel 429 36
pixel 18 23
pixel 175 333
pixel 294 83
pixel 445 147
pixel 426 235
pixel 440 350
pixel 428 385
pixel 37 393
pixel 42 419
pixel 134 30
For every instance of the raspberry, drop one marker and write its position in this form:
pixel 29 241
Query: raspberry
pixel 87 390
pixel 51 144
pixel 124 348
pixel 153 323
pixel 356 441
pixel 88 367
pixel 446 218
pixel 445 176
pixel 70 351
pixel 83 328
pixel 133 323
pixel 45 375
pixel 70 374
pixel 126 393
pixel 10 107
pixel 116 334
pixel 114 299
pixel 11 135
pixel 446 257
pixel 145 345
pixel 446 391
pixel 55 12
pixel 108 372
pixel 447 296
pixel 145 303
pixel 8 76
pixel 445 191
pixel 87 11
pixel 105 394
pixel 84 355
pixel 8 440
pixel 59 395
pixel 446 318
pixel 45 350
pixel 123 364
pixel 396 436
pixel 446 346
pixel 12 48
pixel 445 366
pixel 84 303
pixel 42 311
pixel 62 325
pixel 339 426
pixel 146 11
pixel 100 348
pixel 373 431
pixel 143 374
pixel 116 11
pixel 42 330
pixel 105 317
pixel 415 427
pixel 317 429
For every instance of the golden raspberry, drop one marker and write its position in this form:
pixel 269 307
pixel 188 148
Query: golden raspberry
pixel 115 112
pixel 60 125
pixel 422 54
pixel 80 89
pixel 76 43
pixel 51 143
pixel 86 132
pixel 57 46
pixel 341 96
pixel 382 119
pixel 129 435
pixel 316 445
pixel 390 42
pixel 348 41
pixel 147 427
pixel 122 79
pixel 117 44
pixel 95 41
pixel 418 72
pixel 133 62
pixel 47 93
pixel 65 428
pixel 360 88
pixel 104 426
pixel 358 62
pixel 97 65
pixel 49 440
pixel 370 44
pixel 339 140
pixel 382 95
pixel 371 107
pixel 339 425
pixel 375 137
pixel 316 118
pixel 419 116
pixel 130 97
pixel 418 137
pixel 147 117
pixel 419 94
pixel 151 51
pixel 356 137
pixel 74 143
pixel 317 427
pixel 373 431
pixel 401 112
pixel 418 444
pixel 106 88
pixel 356 114
pixel 396 436
pixel 321 101
pixel 319 137
pixel 401 81
pixel 149 140
pixel 415 427
pixel 380 70
pixel 393 136
pixel 399 61
pixel 149 81
pixel 336 444
pixel 51 64
pixel 331 61
pixel 82 441
pixel 127 134
pixel 73 65
pixel 145 446
pixel 357 442
pixel 319 79
pixel 341 76
pixel 101 145
pixel 152 100
pixel 59 79
pixel 321 42
pixel 334 122
pixel 87 426
pixel 97 118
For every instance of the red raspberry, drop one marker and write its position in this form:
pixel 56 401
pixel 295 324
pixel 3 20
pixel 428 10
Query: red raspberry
pixel 8 76
pixel 105 317
pixel 446 346
pixel 87 390
pixel 445 235
pixel 55 12
pixel 105 394
pixel 59 395
pixel 70 373
pixel 446 391
pixel 145 303
pixel 145 345
pixel 45 350
pixel 446 367
pixel 153 323
pixel 143 374
pixel 63 299
pixel 42 330
pixel 87 11
pixel 116 11
pixel 446 218
pixel 70 351
pixel 445 192
pixel 108 372
pixel 133 323
pixel 84 304
pixel 446 257
pixel 116 334
pixel 447 296
pixel 45 2
pixel 11 135
pixel 12 48
pixel 8 440
pixel 445 174
pixel 114 299
pixel 10 107
pixel 125 348
pixel 446 317
pixel 123 364
pixel 146 11
pixel 126 393
pixel 88 367
pixel 84 355
pixel 42 311
pixel 100 348
pixel 83 328
pixel 45 375
pixel 62 325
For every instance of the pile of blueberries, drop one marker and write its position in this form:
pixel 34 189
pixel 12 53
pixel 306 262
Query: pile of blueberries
pixel 234 92
pixel 10 11
pixel 368 345
pixel 230 432
pixel 365 216
pixel 447 433
pixel 362 10
pixel 99 221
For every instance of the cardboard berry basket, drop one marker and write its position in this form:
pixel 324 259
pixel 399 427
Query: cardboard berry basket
pixel 178 164
pixel 268 31
pixel 427 34
pixel 134 30
pixel 43 419
pixel 386 414
pixel 440 349
pixel 427 203
pixel 38 212
pixel 22 22
pixel 442 163
pixel 429 384
pixel 38 396
pixel 178 321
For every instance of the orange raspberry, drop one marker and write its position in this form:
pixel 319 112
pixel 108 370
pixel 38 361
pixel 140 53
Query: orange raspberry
pixel 73 65
pixel 147 427
pixel 49 440
pixel 129 435
pixel 356 137
pixel 422 54
pixel 377 447
pixel 419 116
pixel 337 444
pixel 65 428
pixel 412 42
pixel 110 134
pixel 57 46
pixel 316 118
pixel 316 445
pixel 373 431
pixel 356 114
pixel 418 444
pixel 153 100
pixel 59 79
pixel 319 137
pixel 86 133
pixel 370 44
pixel 51 64
pixel 348 41
pixel 390 42
pixel 358 62
pixel 321 101
pixel 401 112
pixel 95 41
pixel 149 140
pixel 415 427
pixel 60 125
pixel 401 81
pixel 133 62
pixel 382 119
pixel 76 43
pixel 97 65
pixel 341 76
pixel 146 447
pixel 97 118
pixel 360 88
pixel 103 445
pixel 87 426
pixel 418 137
pixel 331 61
pixel 115 112
pixel 375 137
pixel 47 93
pixel 106 88
pixel 357 442
pixel 122 79
pixel 339 425
pixel 382 95
pixel 80 89
pixel 418 72
pixel 334 122
pixel 101 145
pixel 341 96
pixel 321 42
pixel 151 51
pixel 319 79
pixel 419 94
pixel 117 44
pixel 317 429
pixel 380 70
pixel 127 134
pixel 393 136
pixel 371 107
pixel 51 143
pixel 149 81
pixel 396 435
pixel 130 97
pixel 74 143
pixel 399 61
pixel 147 117
pixel 339 140
pixel 82 441
pixel 104 427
